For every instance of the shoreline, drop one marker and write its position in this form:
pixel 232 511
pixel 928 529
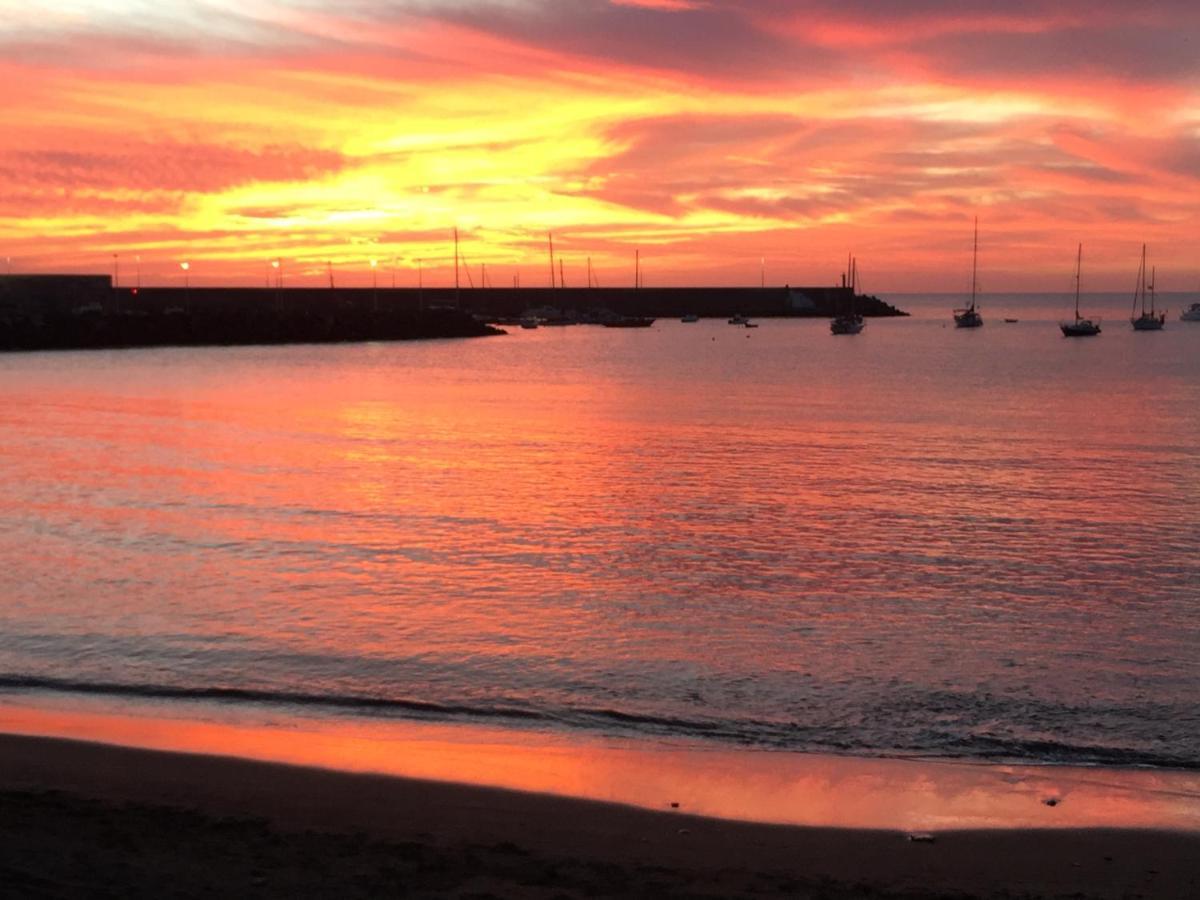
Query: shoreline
pixel 80 817
pixel 736 784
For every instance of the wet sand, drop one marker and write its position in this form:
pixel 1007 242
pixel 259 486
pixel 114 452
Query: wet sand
pixel 80 819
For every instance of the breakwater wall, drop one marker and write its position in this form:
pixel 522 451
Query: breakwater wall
pixel 66 311
pixel 61 313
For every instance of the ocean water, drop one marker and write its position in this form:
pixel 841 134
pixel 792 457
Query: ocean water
pixel 917 541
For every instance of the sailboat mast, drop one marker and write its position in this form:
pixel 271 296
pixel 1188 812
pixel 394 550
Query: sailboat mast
pixel 1137 284
pixel 1143 279
pixel 1079 263
pixel 974 262
pixel 853 282
pixel 550 236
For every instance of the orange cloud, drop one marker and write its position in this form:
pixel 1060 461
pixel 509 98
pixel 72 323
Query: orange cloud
pixel 710 134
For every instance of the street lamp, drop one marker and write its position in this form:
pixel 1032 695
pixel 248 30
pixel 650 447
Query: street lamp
pixel 187 287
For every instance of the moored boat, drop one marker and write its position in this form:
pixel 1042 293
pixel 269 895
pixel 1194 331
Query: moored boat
pixel 690 317
pixel 1080 327
pixel 1147 319
pixel 969 317
pixel 630 322
pixel 850 322
pixel 1191 314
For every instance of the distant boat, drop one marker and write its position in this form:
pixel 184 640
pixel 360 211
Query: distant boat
pixel 529 322
pixel 739 319
pixel 690 317
pixel 846 324
pixel 751 324
pixel 969 317
pixel 630 322
pixel 1147 320
pixel 1081 327
pixel 1011 321
pixel 849 322
pixel 1191 314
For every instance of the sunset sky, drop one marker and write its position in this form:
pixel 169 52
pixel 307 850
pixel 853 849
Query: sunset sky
pixel 715 136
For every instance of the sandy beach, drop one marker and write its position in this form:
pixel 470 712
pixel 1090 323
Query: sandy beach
pixel 81 819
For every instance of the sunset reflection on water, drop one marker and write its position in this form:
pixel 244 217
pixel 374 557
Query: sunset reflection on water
pixel 966 546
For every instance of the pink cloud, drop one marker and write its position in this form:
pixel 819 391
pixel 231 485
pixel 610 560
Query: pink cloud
pixel 168 167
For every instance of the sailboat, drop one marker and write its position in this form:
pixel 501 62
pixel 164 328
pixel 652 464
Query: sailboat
pixel 1147 320
pixel 851 322
pixel 1081 327
pixel 969 317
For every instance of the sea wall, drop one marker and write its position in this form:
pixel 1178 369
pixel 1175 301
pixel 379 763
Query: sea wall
pixel 63 311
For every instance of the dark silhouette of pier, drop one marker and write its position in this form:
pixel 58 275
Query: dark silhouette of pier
pixel 39 312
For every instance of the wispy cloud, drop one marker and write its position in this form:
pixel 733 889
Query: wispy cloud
pixel 710 129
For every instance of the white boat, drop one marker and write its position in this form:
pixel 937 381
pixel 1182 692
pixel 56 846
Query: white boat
pixel 969 317
pixel 739 319
pixel 1191 314
pixel 1080 327
pixel 1148 319
pixel 529 322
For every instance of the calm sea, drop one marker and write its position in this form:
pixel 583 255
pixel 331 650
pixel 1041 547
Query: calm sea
pixel 980 544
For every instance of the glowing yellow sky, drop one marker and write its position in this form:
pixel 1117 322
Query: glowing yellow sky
pixel 709 135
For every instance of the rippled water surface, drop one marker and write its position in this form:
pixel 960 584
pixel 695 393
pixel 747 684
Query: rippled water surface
pixel 917 540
